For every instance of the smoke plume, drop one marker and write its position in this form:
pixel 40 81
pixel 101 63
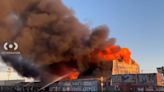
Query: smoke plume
pixel 50 37
pixel 22 66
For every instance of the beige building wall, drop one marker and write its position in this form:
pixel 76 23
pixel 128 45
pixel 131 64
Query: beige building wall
pixel 120 67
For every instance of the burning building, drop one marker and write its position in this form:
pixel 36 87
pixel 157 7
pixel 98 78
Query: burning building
pixel 124 68
pixel 118 59
pixel 54 43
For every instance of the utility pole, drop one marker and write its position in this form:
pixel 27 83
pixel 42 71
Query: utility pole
pixel 9 72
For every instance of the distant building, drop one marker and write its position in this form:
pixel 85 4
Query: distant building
pixel 160 70
pixel 10 82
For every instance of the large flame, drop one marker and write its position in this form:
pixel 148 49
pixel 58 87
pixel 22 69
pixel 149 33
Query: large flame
pixel 112 53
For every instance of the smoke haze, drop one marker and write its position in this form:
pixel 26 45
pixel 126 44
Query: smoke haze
pixel 50 37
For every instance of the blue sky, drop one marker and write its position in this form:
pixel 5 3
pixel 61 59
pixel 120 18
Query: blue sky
pixel 137 24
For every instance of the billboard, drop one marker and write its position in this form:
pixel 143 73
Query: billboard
pixel 125 78
pixel 141 79
pixel 131 78
pixel 160 79
pixel 116 79
pixel 79 85
pixel 147 79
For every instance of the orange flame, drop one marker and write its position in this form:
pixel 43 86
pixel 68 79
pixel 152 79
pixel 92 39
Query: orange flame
pixel 112 53
pixel 74 75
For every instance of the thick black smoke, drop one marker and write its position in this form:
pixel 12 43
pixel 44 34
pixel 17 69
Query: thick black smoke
pixel 49 34
pixel 22 66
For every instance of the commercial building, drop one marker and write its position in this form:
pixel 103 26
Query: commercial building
pixel 146 81
pixel 121 67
